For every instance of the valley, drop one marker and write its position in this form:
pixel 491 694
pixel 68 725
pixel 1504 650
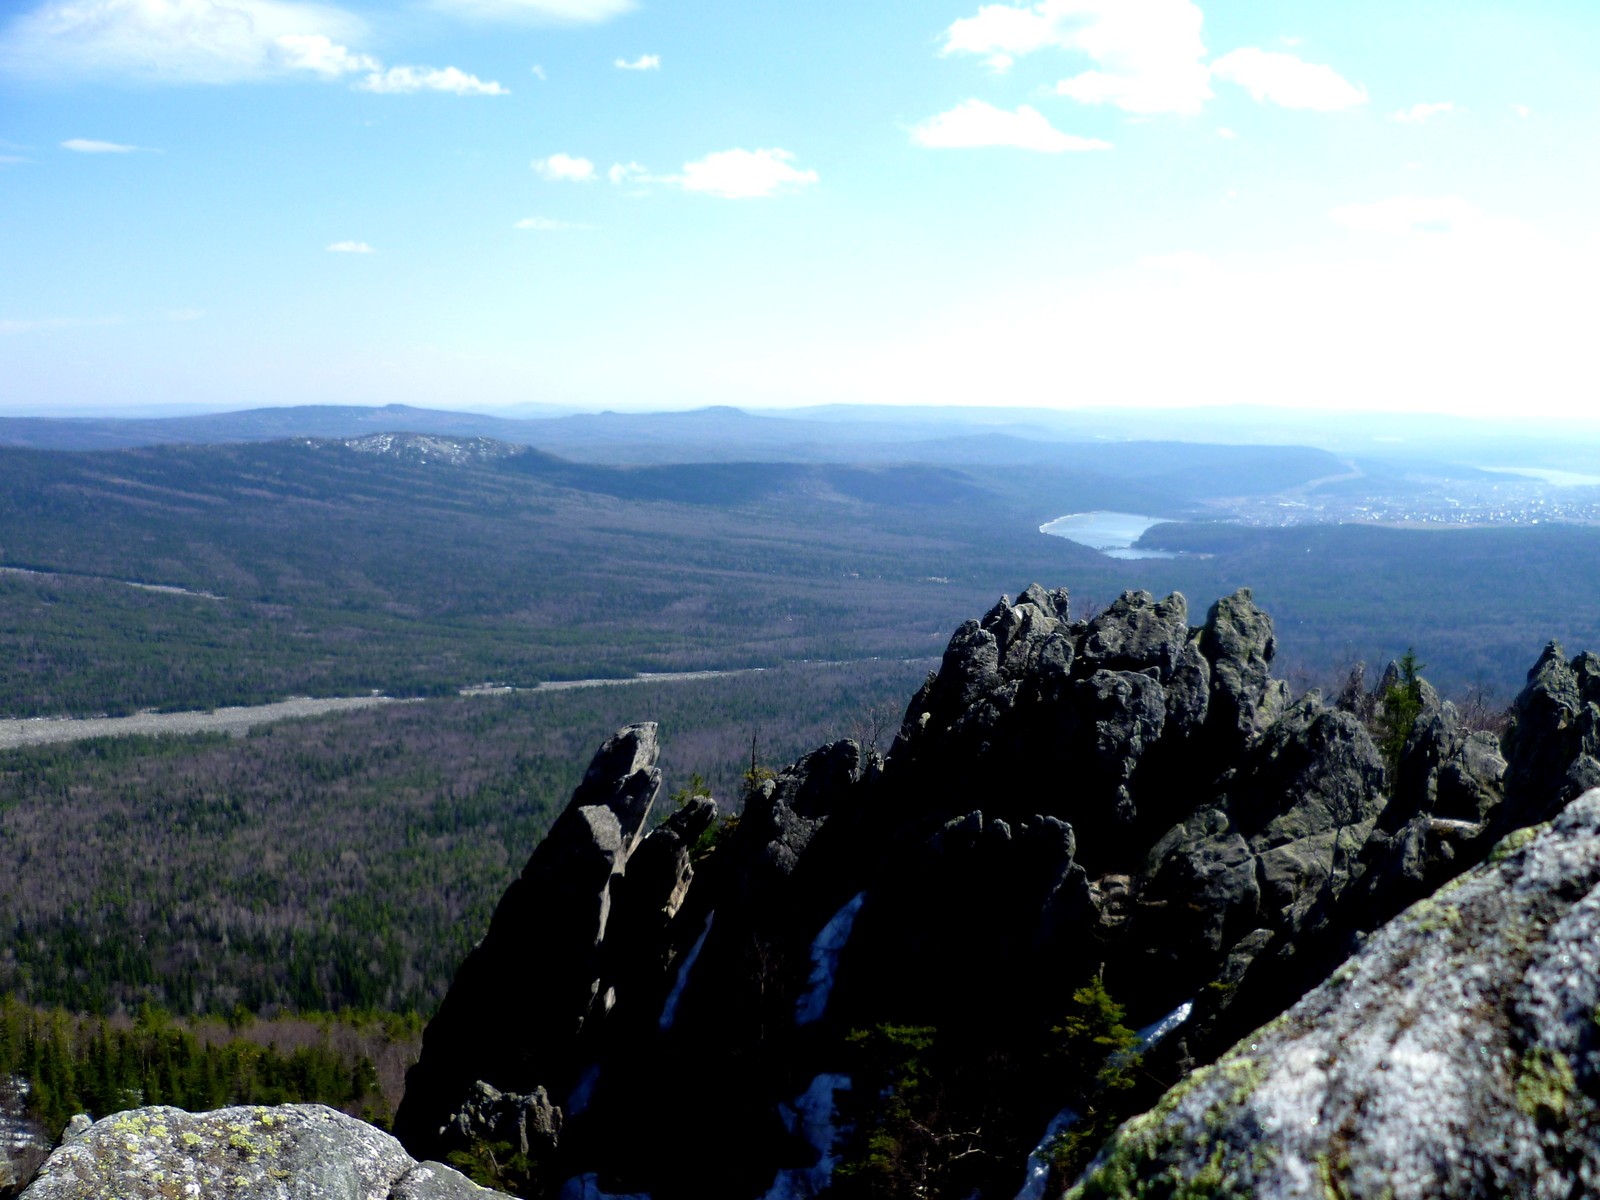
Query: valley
pixel 280 719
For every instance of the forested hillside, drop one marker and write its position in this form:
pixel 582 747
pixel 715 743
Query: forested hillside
pixel 418 567
pixel 350 861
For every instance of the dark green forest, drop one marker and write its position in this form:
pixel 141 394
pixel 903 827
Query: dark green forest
pixel 347 862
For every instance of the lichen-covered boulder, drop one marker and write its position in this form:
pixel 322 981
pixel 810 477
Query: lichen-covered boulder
pixel 1458 1055
pixel 293 1152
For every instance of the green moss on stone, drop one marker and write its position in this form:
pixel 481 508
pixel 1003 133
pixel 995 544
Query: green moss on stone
pixel 1545 1086
pixel 1514 841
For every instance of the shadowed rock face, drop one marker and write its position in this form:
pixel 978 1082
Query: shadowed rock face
pixel 539 967
pixel 293 1152
pixel 1456 1055
pixel 1129 799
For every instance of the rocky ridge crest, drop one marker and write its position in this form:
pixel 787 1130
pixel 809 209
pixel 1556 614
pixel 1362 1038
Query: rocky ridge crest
pixel 1127 801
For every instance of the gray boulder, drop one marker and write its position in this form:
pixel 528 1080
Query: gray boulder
pixel 1457 1055
pixel 294 1152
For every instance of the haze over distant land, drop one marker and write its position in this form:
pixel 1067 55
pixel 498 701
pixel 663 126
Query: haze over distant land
pixel 600 204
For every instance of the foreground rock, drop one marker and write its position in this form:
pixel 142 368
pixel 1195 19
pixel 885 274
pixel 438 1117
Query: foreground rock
pixel 293 1152
pixel 1457 1055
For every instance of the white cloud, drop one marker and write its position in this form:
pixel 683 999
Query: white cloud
pixel 538 73
pixel 1148 54
pixel 90 146
pixel 548 224
pixel 743 174
pixel 11 160
pixel 565 168
pixel 974 123
pixel 183 41
pixel 645 62
pixel 351 248
pixel 404 80
pixel 553 12
pixel 1419 113
pixel 1226 133
pixel 1288 81
pixel 1522 110
pixel 322 56
pixel 626 172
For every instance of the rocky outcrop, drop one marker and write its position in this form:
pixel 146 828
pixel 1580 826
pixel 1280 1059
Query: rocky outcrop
pixel 1127 806
pixel 1457 1055
pixel 294 1152
pixel 1554 743
pixel 518 1018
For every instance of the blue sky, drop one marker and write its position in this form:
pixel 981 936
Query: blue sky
pixel 600 203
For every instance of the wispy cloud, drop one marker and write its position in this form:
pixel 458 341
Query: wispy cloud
pixel 398 81
pixel 90 146
pixel 1288 81
pixel 973 123
pixel 645 62
pixel 1522 110
pixel 183 41
pixel 548 225
pixel 541 12
pixel 350 248
pixel 538 73
pixel 41 324
pixel 209 42
pixel 1417 114
pixel 565 168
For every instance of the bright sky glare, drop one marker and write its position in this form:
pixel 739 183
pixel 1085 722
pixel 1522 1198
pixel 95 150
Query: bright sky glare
pixel 644 204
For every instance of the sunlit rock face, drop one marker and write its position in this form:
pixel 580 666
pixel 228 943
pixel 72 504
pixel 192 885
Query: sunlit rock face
pixel 1457 1055
pixel 292 1152
pixel 1127 801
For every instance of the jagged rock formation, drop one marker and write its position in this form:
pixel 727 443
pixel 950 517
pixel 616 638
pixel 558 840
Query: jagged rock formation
pixel 522 1004
pixel 293 1152
pixel 1128 799
pixel 1457 1055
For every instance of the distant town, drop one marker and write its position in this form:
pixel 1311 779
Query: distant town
pixel 1513 501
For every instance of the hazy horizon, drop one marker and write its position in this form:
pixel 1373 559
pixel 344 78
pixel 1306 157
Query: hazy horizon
pixel 610 204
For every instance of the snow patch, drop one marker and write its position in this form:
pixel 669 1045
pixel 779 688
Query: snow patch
pixel 669 1011
pixel 825 952
pixel 812 1115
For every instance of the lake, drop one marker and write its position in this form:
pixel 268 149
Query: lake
pixel 1111 533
